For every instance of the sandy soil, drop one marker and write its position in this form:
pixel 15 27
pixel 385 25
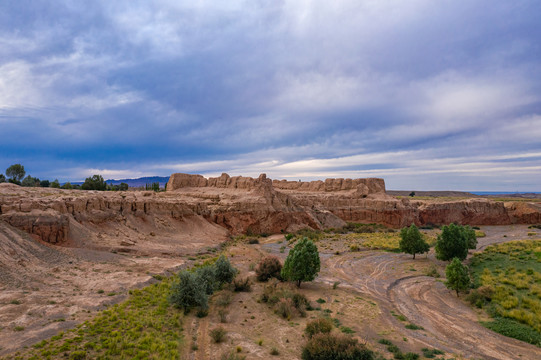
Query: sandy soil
pixel 372 286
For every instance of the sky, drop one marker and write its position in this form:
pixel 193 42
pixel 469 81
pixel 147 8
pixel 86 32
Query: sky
pixel 429 95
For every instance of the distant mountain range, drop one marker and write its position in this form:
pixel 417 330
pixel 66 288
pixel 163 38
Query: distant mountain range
pixel 135 182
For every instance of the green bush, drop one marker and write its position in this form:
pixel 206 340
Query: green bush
pixel 225 272
pixel 340 347
pixel 431 353
pixel 317 326
pixel 414 327
pixel 268 267
pixel 514 329
pixel 78 355
pixel 189 292
pixel 207 274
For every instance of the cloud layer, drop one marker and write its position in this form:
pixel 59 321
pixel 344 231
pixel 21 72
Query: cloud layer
pixel 428 95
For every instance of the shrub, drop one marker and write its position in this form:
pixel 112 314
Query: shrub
pixel 475 298
pixel 327 346
pixel 269 293
pixel 268 267
pixel 224 299
pixel 514 329
pixel 253 241
pixel 218 334
pixel 189 292
pixel 414 327
pixel 78 355
pixel 354 248
pixel 207 275
pixel 431 353
pixel 274 351
pixel 222 313
pixel 317 326
pixel 225 272
pixel 433 271
pixel 285 308
pixel 242 284
pixel 232 355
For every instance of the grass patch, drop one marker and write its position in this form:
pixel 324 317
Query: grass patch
pixel 145 326
pixel 414 327
pixel 514 329
pixel 431 353
pixel 387 241
pixel 511 272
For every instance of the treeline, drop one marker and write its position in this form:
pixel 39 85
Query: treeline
pixel 15 174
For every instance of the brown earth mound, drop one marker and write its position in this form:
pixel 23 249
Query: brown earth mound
pixel 197 210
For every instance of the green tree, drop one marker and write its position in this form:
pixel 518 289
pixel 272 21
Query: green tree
pixel 67 186
pixel 189 292
pixel 225 272
pixel 45 183
pixel 302 262
pixel 95 182
pixel 123 187
pixel 207 275
pixel 412 241
pixel 471 238
pixel 30 181
pixel 2 178
pixel 412 194
pixel 15 173
pixel 451 243
pixel 457 276
pixel 55 184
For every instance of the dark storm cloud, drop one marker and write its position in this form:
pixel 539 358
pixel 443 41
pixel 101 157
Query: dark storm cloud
pixel 425 94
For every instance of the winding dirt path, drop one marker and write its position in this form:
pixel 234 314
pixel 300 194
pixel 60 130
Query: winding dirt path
pixel 449 324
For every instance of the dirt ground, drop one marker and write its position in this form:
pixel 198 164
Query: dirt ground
pixel 372 288
pixel 375 287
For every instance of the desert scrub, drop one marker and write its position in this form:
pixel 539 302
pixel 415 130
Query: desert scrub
pixel 508 281
pixel 318 326
pixel 218 334
pixel 268 267
pixel 145 326
pixel 378 240
pixel 286 303
pixel 339 347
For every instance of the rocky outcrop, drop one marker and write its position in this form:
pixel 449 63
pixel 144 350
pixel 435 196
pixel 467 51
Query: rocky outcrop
pixel 179 181
pixel 195 208
pixel 361 186
pixel 49 226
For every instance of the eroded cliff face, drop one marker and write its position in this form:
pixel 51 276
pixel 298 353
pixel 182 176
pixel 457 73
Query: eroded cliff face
pixel 196 211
